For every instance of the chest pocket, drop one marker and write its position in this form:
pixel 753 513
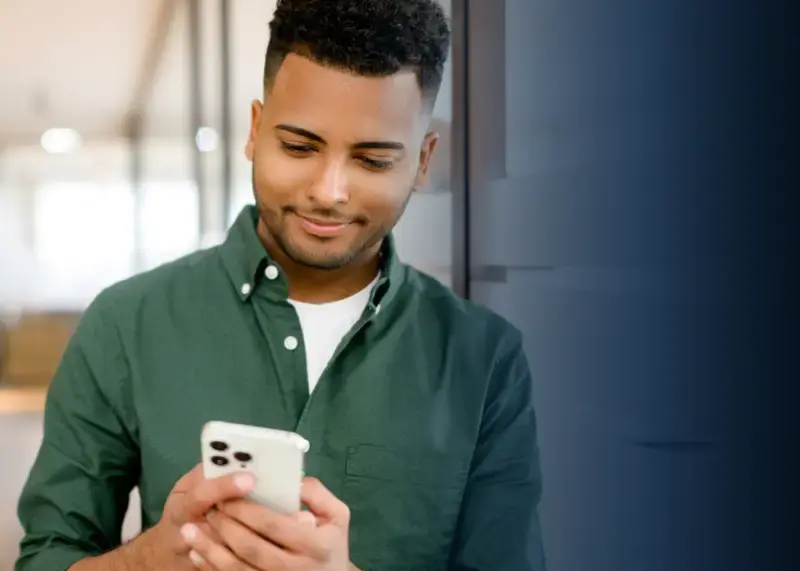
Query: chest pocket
pixel 404 507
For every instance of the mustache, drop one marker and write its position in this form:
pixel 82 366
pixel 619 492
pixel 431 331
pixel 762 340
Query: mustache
pixel 324 215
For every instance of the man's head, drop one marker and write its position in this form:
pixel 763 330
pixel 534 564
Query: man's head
pixel 342 138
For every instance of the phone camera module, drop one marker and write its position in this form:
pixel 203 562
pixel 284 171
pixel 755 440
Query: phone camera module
pixel 219 446
pixel 219 460
pixel 243 458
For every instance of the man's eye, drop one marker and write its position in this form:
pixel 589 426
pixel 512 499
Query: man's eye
pixel 296 148
pixel 376 164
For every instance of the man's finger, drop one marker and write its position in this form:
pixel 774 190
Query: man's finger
pixel 306 519
pixel 288 531
pixel 208 493
pixel 206 553
pixel 323 504
pixel 198 561
pixel 189 480
pixel 249 546
pixel 206 528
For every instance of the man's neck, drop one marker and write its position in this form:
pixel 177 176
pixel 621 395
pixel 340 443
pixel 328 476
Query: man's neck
pixel 312 285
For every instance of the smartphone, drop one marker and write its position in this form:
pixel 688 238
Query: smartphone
pixel 275 457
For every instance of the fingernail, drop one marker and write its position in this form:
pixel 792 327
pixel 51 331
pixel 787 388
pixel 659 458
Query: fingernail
pixel 196 558
pixel 244 482
pixel 189 532
pixel 307 519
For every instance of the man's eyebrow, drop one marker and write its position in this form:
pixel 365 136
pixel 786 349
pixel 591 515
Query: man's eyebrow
pixel 300 132
pixel 363 145
pixel 384 145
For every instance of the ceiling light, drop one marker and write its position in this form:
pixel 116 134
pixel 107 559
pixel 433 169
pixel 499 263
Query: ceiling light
pixel 206 139
pixel 60 141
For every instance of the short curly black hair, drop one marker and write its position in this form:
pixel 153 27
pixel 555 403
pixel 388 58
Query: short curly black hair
pixel 374 38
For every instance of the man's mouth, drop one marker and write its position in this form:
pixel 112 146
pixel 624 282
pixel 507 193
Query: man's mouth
pixel 322 227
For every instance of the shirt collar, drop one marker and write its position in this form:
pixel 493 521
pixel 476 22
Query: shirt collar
pixel 247 264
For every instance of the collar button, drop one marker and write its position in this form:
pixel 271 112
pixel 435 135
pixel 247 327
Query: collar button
pixel 271 272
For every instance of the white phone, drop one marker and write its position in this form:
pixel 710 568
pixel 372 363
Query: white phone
pixel 275 457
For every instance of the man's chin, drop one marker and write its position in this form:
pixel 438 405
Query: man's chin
pixel 323 264
pixel 319 260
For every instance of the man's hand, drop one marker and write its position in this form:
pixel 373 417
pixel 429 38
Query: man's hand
pixel 254 538
pixel 163 546
pixel 192 498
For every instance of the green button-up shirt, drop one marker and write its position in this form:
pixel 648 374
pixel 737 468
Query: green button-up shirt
pixel 422 422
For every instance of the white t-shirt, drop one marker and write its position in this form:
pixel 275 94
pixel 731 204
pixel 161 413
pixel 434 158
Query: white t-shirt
pixel 324 325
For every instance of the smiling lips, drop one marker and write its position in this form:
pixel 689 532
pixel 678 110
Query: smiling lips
pixel 322 228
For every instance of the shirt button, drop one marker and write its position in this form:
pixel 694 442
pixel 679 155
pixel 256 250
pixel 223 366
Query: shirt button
pixel 290 343
pixel 271 272
pixel 246 289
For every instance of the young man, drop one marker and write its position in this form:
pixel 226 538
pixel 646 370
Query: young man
pixel 417 404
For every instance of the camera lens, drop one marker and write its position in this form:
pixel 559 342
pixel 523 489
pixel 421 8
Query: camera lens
pixel 219 446
pixel 219 460
pixel 243 456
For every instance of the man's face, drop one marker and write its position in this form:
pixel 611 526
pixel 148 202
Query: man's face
pixel 335 159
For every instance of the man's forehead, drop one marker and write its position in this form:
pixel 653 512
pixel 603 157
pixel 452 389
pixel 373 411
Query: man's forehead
pixel 304 86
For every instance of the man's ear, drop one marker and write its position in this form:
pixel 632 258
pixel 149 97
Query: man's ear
pixel 256 107
pixel 426 152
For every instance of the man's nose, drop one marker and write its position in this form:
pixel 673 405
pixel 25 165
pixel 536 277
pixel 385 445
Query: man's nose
pixel 330 188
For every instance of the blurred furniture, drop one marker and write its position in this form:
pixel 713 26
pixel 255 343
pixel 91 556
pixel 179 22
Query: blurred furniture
pixel 31 348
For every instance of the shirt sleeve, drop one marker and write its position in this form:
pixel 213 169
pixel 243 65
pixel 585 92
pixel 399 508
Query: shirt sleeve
pixel 498 527
pixel 75 498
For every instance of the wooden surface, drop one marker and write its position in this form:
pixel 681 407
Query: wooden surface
pixel 33 347
pixel 22 399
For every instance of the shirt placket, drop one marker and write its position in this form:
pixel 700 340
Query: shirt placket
pixel 280 326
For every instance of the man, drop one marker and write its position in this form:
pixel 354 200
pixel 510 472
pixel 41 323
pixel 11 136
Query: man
pixel 417 404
